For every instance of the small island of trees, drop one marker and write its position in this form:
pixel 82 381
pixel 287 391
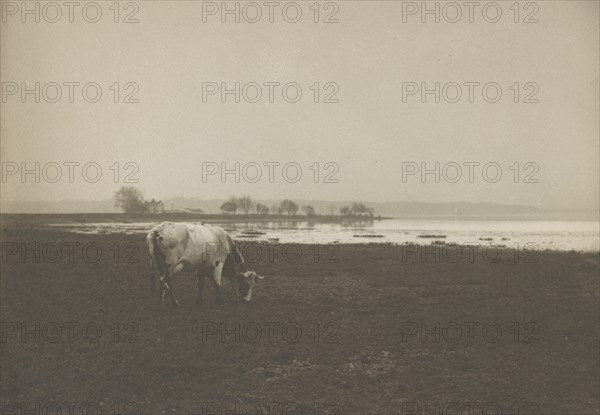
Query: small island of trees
pixel 131 201
pixel 246 205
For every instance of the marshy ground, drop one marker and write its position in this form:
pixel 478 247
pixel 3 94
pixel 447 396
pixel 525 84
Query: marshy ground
pixel 357 329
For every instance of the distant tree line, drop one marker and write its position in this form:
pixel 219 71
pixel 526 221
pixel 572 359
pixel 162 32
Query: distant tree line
pixel 131 200
pixel 246 205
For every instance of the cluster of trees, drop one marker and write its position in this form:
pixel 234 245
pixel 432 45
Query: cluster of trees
pixel 246 204
pixel 130 200
pixel 234 204
pixel 356 209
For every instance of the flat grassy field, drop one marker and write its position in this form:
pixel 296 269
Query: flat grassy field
pixel 346 329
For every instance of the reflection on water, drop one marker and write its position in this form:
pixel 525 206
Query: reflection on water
pixel 579 236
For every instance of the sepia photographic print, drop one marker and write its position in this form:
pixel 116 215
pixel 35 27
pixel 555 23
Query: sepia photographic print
pixel 308 207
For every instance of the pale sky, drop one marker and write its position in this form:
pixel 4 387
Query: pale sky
pixel 368 134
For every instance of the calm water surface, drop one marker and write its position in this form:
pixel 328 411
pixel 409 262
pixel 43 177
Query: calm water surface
pixel 579 236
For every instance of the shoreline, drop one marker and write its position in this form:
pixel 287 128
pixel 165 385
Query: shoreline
pixel 291 231
pixel 427 247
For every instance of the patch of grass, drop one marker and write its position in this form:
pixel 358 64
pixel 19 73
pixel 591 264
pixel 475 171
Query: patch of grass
pixel 351 351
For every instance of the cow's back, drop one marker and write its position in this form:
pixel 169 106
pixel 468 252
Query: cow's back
pixel 212 242
pixel 191 245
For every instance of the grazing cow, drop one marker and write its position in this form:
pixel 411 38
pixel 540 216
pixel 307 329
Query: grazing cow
pixel 208 250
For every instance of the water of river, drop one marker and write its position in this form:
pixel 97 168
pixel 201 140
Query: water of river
pixel 578 236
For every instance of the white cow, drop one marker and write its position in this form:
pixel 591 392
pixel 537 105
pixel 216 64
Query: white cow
pixel 206 249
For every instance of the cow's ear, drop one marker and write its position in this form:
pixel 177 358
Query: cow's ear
pixel 260 277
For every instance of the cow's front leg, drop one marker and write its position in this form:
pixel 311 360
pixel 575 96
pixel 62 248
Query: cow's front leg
pixel 234 286
pixel 152 279
pixel 200 283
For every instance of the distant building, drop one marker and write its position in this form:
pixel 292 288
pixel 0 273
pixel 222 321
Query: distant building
pixel 197 210
pixel 155 206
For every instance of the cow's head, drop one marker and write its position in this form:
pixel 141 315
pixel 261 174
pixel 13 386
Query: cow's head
pixel 246 282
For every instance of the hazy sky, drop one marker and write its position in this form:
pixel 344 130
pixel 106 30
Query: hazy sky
pixel 368 134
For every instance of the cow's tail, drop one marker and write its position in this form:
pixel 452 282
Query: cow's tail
pixel 158 257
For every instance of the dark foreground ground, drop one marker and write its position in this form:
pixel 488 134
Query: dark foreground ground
pixel 347 329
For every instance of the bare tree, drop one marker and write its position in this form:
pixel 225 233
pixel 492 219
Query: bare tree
pixel 289 206
pixel 360 209
pixel 345 211
pixel 262 209
pixel 308 210
pixel 231 206
pixel 245 203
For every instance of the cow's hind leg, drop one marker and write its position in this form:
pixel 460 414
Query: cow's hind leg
pixel 167 288
pixel 216 277
pixel 200 283
pixel 170 292
pixel 219 297
pixel 163 290
pixel 229 272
